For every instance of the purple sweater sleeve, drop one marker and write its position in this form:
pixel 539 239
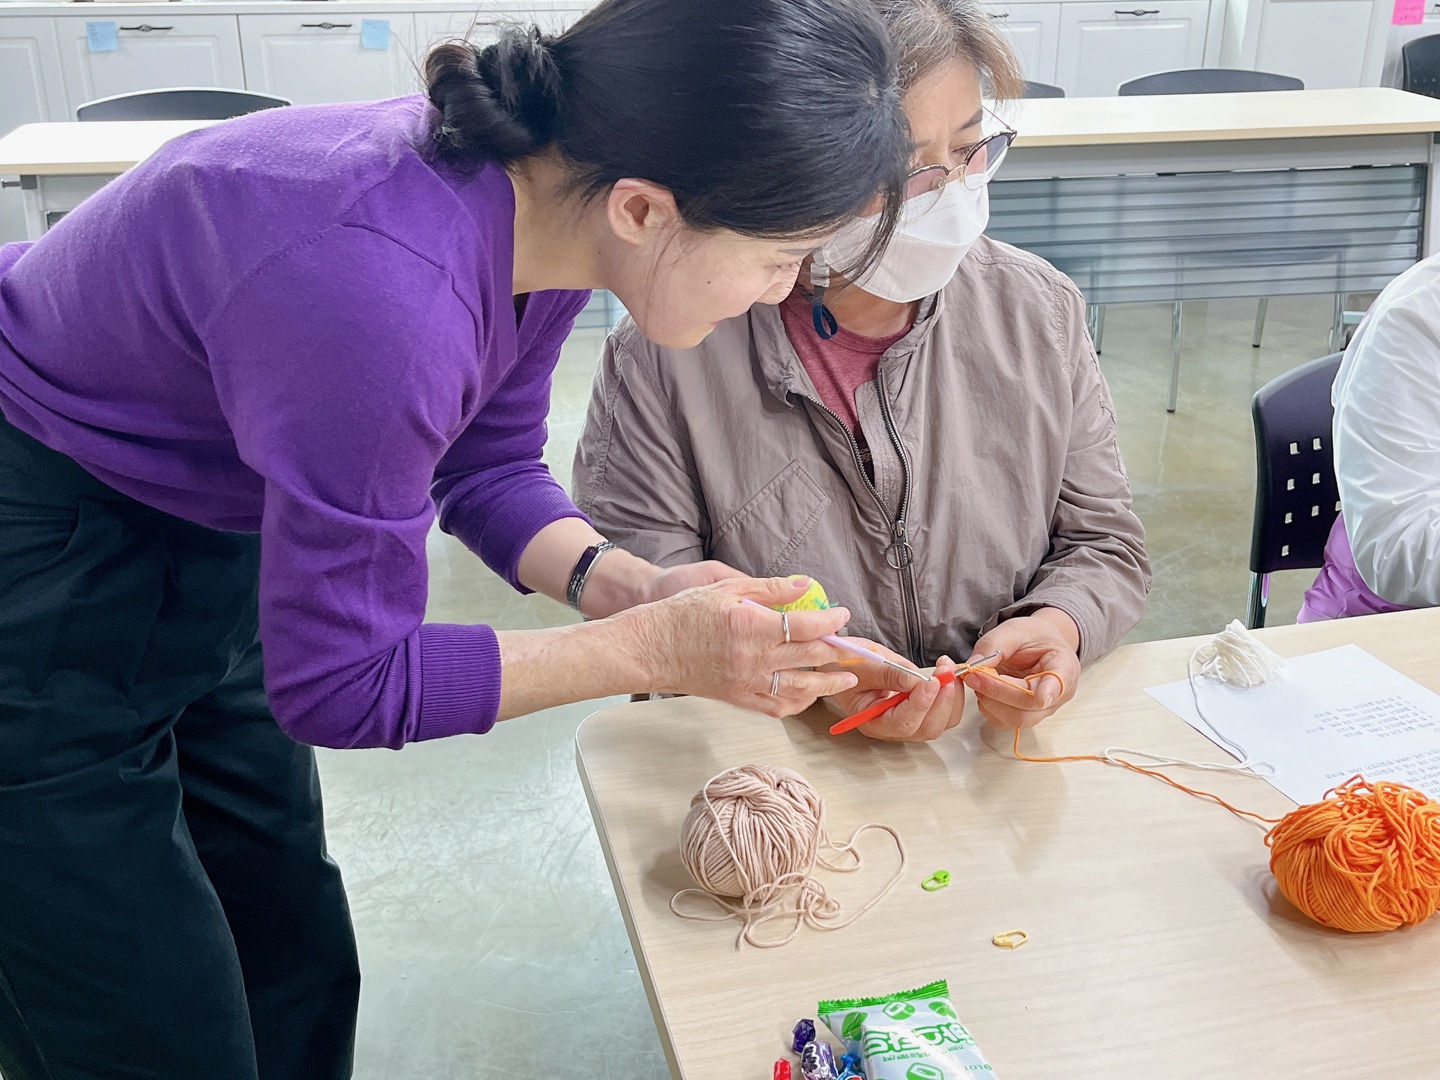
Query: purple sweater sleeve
pixel 493 488
pixel 343 366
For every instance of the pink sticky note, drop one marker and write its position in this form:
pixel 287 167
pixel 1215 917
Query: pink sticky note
pixel 1408 13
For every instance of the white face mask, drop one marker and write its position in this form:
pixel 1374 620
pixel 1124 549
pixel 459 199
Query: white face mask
pixel 923 254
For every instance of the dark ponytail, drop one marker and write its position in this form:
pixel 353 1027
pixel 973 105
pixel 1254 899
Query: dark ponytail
pixel 774 118
pixel 498 102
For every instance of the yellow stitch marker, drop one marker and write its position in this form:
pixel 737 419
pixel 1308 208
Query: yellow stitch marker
pixel 1010 939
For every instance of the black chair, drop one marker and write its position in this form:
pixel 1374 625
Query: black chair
pixel 1296 496
pixel 1043 90
pixel 178 103
pixel 1420 66
pixel 1208 81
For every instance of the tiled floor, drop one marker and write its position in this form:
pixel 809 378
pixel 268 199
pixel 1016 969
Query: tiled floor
pixel 490 939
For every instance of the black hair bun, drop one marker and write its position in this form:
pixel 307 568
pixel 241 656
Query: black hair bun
pixel 502 100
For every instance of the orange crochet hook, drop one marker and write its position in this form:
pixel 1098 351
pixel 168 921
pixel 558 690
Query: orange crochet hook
pixel 880 708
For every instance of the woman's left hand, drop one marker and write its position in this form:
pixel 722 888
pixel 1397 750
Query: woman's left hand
pixel 1047 640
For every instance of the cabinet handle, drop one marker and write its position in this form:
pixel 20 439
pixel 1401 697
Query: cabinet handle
pixel 1140 11
pixel 146 28
pixel 1006 14
pixel 326 25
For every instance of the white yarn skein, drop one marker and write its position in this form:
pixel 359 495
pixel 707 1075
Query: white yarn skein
pixel 1235 657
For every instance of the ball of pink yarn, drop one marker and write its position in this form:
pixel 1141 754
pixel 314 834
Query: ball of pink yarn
pixel 751 827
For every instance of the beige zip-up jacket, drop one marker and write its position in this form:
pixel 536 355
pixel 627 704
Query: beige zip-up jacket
pixel 998 486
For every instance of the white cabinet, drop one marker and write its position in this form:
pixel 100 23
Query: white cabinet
pixel 152 51
pixel 1322 42
pixel 30 86
pixel 1104 45
pixel 317 58
pixel 1326 43
pixel 1034 31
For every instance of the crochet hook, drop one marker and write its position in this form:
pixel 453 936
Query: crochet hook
pixel 859 650
pixel 884 705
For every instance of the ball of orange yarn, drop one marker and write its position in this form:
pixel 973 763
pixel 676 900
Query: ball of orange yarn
pixel 1366 858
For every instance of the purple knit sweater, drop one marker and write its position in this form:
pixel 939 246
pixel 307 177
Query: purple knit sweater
pixel 297 324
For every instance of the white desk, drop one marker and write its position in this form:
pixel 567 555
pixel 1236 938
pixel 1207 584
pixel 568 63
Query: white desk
pixel 61 164
pixel 1198 196
pixel 1159 949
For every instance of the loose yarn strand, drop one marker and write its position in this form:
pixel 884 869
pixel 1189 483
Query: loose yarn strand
pixel 770 824
pixel 1365 858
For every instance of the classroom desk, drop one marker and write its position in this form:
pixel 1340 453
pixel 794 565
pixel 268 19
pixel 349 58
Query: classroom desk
pixel 61 164
pixel 1158 948
pixel 1197 196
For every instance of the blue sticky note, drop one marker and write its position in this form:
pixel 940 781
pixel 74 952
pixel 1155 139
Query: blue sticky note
pixel 101 36
pixel 375 33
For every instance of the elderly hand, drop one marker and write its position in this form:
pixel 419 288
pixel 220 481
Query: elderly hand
pixel 930 711
pixel 1047 640
pixel 707 642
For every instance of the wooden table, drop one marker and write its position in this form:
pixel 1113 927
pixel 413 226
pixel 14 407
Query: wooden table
pixel 61 164
pixel 1159 948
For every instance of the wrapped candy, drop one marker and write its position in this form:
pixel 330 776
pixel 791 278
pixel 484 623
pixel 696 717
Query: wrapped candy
pixel 782 1070
pixel 804 1033
pixel 850 1068
pixel 817 1062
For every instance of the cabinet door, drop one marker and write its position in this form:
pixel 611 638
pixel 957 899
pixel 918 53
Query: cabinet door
pixel 1323 42
pixel 1034 31
pixel 312 59
pixel 1104 45
pixel 153 51
pixel 30 86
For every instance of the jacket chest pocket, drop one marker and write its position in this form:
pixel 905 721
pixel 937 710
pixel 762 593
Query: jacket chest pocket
pixel 763 535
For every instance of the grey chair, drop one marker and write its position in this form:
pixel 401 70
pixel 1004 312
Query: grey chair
pixel 1043 90
pixel 1208 81
pixel 1297 497
pixel 1420 66
pixel 178 103
pixel 1203 81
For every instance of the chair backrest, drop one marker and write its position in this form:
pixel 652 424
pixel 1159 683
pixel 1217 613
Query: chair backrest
pixel 1296 497
pixel 1420 66
pixel 178 103
pixel 1208 81
pixel 1043 90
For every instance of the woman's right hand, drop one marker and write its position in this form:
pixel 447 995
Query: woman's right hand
pixel 709 643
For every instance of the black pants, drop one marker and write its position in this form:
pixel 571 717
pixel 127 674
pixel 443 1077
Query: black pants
pixel 167 906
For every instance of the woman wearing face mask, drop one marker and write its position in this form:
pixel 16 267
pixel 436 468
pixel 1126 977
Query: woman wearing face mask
pixel 236 386
pixel 933 441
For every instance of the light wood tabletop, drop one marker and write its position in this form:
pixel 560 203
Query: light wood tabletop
pixel 1159 947
pixel 102 148
pixel 1370 110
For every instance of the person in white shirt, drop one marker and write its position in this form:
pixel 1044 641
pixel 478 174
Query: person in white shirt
pixel 1384 551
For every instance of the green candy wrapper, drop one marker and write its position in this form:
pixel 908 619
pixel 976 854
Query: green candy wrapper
pixel 912 1035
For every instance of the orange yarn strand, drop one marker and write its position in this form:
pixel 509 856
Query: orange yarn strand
pixel 1365 858
pixel 1146 772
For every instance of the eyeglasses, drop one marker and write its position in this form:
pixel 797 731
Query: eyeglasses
pixel 980 162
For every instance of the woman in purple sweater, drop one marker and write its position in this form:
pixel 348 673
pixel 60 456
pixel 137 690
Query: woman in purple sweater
pixel 238 386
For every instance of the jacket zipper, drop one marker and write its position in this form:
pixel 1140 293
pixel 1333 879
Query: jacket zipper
pixel 904 560
pixel 899 555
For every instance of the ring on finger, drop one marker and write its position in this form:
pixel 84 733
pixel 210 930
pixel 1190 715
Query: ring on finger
pixel 775 685
pixel 785 625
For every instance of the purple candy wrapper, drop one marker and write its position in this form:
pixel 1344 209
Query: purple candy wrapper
pixel 817 1062
pixel 804 1033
